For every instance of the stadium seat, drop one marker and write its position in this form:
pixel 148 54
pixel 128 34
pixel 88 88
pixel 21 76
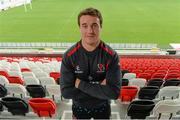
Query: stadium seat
pixel 3 91
pixel 129 75
pixel 16 106
pixel 25 70
pixel 3 80
pixel 128 93
pixel 125 82
pixel 36 91
pixel 55 75
pixel 16 90
pixel 140 109
pixel 124 71
pixel 15 79
pixel 146 76
pixel 158 75
pixel 4 73
pixel 1 107
pixel 47 81
pixel 139 82
pixel 166 109
pixel 43 107
pixel 148 92
pixel 31 80
pixel 172 75
pixel 169 92
pixel 54 92
pixel 155 82
pixel 172 82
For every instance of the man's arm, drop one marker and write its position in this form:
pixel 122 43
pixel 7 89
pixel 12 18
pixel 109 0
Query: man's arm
pixel 109 88
pixel 67 82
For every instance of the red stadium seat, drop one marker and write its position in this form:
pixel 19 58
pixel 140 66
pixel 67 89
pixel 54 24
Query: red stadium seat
pixel 158 75
pixel 55 75
pixel 15 79
pixel 146 76
pixel 128 93
pixel 44 107
pixel 172 75
pixel 4 73
pixel 25 70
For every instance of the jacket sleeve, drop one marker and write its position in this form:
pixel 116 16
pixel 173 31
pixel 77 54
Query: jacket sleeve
pixel 67 82
pixel 111 89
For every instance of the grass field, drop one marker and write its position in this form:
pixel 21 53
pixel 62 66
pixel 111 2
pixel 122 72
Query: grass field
pixel 125 21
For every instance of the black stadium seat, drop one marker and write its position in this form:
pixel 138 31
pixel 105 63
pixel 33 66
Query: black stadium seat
pixel 125 82
pixel 36 91
pixel 140 109
pixel 155 82
pixel 1 107
pixel 148 92
pixel 16 106
pixel 172 82
pixel 124 71
pixel 3 91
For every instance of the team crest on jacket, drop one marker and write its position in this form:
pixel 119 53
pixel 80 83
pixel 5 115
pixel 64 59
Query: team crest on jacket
pixel 78 70
pixel 101 68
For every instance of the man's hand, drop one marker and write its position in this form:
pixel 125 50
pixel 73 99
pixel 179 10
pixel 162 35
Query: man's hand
pixel 103 82
pixel 77 83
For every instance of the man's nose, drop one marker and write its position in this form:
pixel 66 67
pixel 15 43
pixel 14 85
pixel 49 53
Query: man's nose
pixel 90 30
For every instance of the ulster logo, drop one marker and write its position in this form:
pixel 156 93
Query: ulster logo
pixel 77 69
pixel 101 68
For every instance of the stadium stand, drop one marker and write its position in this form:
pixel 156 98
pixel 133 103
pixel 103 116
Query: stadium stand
pixel 6 4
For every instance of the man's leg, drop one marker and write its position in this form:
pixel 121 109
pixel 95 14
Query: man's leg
pixel 80 113
pixel 103 112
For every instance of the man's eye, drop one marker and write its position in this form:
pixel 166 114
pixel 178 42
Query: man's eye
pixel 95 25
pixel 84 26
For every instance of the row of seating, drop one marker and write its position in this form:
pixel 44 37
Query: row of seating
pixel 128 93
pixel 43 107
pixel 31 91
pixel 141 82
pixel 165 109
pixel 148 75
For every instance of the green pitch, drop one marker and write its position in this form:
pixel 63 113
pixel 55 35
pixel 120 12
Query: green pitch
pixel 125 21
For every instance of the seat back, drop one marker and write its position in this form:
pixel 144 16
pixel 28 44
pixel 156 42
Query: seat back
pixel 139 82
pixel 124 71
pixel 172 82
pixel 15 79
pixel 55 75
pixel 166 109
pixel 16 90
pixel 54 91
pixel 169 92
pixel 125 82
pixel 29 80
pixel 155 82
pixel 43 107
pixel 129 75
pixel 1 107
pixel 16 106
pixel 128 93
pixel 148 92
pixel 36 91
pixel 139 109
pixel 3 91
pixel 3 80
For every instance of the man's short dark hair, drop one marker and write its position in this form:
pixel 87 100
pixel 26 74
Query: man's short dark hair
pixel 92 12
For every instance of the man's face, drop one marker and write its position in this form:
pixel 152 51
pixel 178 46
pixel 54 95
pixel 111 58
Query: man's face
pixel 90 29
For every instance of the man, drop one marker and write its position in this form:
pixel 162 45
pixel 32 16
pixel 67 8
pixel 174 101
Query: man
pixel 90 71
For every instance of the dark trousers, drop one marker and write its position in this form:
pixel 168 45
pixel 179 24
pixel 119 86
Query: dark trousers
pixel 98 112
